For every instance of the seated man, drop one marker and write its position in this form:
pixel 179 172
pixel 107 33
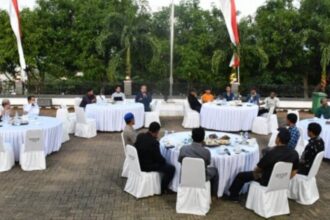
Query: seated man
pixel 228 95
pixel 129 132
pixel 315 145
pixel 197 150
pixel 32 107
pixel 193 101
pixel 144 97
pixel 323 110
pixel 118 95
pixel 207 96
pixel 148 150
pixel 254 97
pixel 294 131
pixel 5 112
pixel 271 101
pixel 89 98
pixel 266 164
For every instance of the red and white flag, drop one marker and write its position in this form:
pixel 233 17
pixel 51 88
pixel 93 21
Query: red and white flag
pixel 13 12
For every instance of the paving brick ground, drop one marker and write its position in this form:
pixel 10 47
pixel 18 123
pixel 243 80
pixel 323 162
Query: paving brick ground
pixel 83 181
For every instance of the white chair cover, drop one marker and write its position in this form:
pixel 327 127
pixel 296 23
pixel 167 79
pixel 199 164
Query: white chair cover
pixel 7 157
pixel 272 140
pixel 271 200
pixel 72 119
pixel 101 99
pixel 194 193
pixel 303 188
pixel 191 118
pixel 77 102
pixel 125 165
pixel 296 112
pixel 265 125
pixel 140 184
pixel 85 127
pixel 300 147
pixel 152 116
pixel 62 115
pixel 32 156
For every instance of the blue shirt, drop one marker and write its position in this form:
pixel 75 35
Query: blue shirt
pixel 294 137
pixel 229 97
pixel 254 99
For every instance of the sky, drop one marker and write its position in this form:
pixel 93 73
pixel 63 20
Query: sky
pixel 246 7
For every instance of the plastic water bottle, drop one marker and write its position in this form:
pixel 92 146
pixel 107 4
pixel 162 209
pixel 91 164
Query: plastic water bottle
pixel 322 117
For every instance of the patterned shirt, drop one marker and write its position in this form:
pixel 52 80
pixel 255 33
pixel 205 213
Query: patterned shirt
pixel 314 146
pixel 294 137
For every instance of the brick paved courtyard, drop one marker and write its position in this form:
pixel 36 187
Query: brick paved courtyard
pixel 83 181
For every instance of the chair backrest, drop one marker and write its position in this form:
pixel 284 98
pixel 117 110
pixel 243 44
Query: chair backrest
pixel 81 117
pixel 62 114
pixel 133 159
pixel 2 147
pixel 77 102
pixel 34 140
pixel 296 112
pixel 280 177
pixel 272 140
pixel 300 147
pixel 123 142
pixel 99 99
pixel 193 173
pixel 316 165
pixel 154 105
pixel 186 107
pixel 270 112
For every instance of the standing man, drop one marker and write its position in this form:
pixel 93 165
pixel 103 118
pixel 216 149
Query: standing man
pixel 150 158
pixel 118 95
pixel 89 98
pixel 197 150
pixel 32 107
pixel 144 97
pixel 129 132
pixel 323 110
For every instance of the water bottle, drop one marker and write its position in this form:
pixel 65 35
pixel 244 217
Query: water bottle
pixel 165 133
pixel 322 117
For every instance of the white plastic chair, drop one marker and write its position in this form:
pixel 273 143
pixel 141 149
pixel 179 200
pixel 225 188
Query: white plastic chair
pixel 7 157
pixel 191 118
pixel 152 116
pixel 62 115
pixel 85 127
pixel 265 125
pixel 125 165
pixel 303 188
pixel 194 193
pixel 140 184
pixel 271 200
pixel 32 155
pixel 296 112
pixel 300 147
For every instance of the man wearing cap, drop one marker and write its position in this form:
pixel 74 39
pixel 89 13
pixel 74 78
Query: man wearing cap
pixel 129 132
pixel 264 168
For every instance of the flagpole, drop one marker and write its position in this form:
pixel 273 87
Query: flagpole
pixel 171 48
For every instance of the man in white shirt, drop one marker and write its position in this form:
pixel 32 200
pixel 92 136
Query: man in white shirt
pixel 32 107
pixel 118 95
pixel 271 101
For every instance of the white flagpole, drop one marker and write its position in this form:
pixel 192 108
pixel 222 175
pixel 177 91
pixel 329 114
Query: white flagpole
pixel 172 48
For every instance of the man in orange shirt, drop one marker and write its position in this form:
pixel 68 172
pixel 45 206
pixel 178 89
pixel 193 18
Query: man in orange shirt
pixel 207 96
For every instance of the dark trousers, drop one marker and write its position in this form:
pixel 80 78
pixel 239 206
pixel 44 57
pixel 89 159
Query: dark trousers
pixel 167 171
pixel 263 111
pixel 213 175
pixel 240 180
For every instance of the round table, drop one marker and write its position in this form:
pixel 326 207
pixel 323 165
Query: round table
pixel 52 129
pixel 110 117
pixel 325 134
pixel 228 166
pixel 228 117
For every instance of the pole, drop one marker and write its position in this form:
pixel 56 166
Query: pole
pixel 171 48
pixel 238 75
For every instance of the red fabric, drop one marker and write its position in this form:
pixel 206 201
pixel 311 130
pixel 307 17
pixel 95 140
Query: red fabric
pixel 234 22
pixel 15 4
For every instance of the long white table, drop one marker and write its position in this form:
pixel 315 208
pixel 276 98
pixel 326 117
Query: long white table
pixel 110 117
pixel 51 127
pixel 227 117
pixel 228 166
pixel 325 134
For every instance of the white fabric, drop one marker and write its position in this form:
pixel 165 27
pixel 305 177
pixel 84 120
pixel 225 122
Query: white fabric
pixel 296 112
pixel 77 102
pixel 271 200
pixel 110 117
pixel 85 127
pixel 325 134
pixel 125 165
pixel 52 130
pixel 194 193
pixel 226 9
pixel 152 116
pixel 228 166
pixel 228 118
pixel 32 156
pixel 272 140
pixel 303 188
pixel 140 184
pixel 31 110
pixel 68 120
pixel 190 118
pixel 265 125
pixel 62 115
pixel 7 157
pixel 101 99
pixel 300 147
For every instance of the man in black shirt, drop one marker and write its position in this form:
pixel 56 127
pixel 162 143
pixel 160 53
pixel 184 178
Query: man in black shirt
pixel 193 101
pixel 88 99
pixel 265 166
pixel 315 146
pixel 150 157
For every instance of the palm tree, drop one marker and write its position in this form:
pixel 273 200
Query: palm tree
pixel 325 61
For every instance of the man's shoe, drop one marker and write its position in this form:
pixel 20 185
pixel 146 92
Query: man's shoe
pixel 231 198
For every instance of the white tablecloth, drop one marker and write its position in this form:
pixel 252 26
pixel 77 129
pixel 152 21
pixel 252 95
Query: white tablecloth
pixel 228 166
pixel 110 117
pixel 303 124
pixel 228 118
pixel 52 129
